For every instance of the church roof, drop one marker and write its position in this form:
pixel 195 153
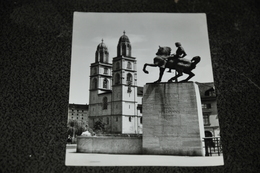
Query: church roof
pixel 78 106
pixel 124 39
pixel 204 87
pixel 102 46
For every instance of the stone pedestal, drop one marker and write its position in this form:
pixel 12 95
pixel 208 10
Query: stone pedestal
pixel 172 119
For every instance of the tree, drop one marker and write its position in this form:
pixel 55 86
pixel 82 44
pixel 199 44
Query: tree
pixel 72 127
pixel 99 126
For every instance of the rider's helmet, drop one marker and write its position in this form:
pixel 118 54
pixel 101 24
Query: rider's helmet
pixel 178 44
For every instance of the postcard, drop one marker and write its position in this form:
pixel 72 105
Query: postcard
pixel 142 91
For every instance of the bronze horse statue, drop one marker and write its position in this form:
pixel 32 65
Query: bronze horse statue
pixel 164 60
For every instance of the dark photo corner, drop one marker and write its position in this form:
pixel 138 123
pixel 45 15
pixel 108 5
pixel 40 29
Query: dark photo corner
pixel 35 75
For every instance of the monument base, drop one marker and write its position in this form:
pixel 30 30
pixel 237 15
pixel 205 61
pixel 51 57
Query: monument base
pixel 172 119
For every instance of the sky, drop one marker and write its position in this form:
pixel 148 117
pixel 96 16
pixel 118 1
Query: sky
pixel 146 32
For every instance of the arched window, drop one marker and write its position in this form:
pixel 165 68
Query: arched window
pixel 106 57
pixel 101 57
pixel 129 50
pixel 124 50
pixel 117 79
pixel 94 83
pixel 105 103
pixel 129 77
pixel 105 83
pixel 129 65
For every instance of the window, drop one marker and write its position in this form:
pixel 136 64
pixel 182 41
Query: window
pixel 206 105
pixel 105 83
pixel 105 70
pixel 129 77
pixel 101 57
pixel 206 120
pixel 116 119
pixel 130 119
pixel 105 103
pixel 210 92
pixel 141 120
pixel 129 65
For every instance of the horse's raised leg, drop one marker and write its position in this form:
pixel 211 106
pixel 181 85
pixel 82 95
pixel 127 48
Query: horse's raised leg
pixel 160 75
pixel 189 77
pixel 145 65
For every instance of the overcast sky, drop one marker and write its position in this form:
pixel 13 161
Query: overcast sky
pixel 146 31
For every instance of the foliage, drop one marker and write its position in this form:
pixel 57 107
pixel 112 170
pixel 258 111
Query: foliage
pixel 99 126
pixel 74 128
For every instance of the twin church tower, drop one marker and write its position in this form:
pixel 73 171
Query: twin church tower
pixel 114 97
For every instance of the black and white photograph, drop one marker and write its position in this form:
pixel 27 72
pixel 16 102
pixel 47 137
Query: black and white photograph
pixel 142 91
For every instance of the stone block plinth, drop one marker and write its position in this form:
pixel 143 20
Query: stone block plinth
pixel 172 119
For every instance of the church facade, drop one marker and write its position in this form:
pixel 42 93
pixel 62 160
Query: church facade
pixel 114 97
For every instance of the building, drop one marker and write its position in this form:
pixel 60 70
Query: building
pixel 114 97
pixel 209 109
pixel 79 113
pixel 115 100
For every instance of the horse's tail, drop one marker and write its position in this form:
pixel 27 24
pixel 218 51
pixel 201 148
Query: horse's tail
pixel 194 61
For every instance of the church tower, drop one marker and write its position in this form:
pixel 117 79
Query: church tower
pixel 124 89
pixel 100 85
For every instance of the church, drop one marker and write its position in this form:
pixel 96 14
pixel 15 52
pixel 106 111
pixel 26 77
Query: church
pixel 114 97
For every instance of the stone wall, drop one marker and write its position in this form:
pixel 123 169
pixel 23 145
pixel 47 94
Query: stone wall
pixel 109 145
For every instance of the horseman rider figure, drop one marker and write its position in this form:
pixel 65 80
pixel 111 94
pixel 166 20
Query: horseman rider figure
pixel 180 53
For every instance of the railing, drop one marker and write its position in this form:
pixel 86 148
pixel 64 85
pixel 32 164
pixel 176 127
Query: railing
pixel 212 146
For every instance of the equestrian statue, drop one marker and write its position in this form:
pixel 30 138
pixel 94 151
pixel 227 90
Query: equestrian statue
pixel 164 60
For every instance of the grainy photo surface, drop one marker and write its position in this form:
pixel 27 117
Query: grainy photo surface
pixel 142 91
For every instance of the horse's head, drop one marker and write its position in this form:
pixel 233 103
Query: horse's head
pixel 164 51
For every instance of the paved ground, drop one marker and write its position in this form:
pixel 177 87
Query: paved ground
pixel 88 159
